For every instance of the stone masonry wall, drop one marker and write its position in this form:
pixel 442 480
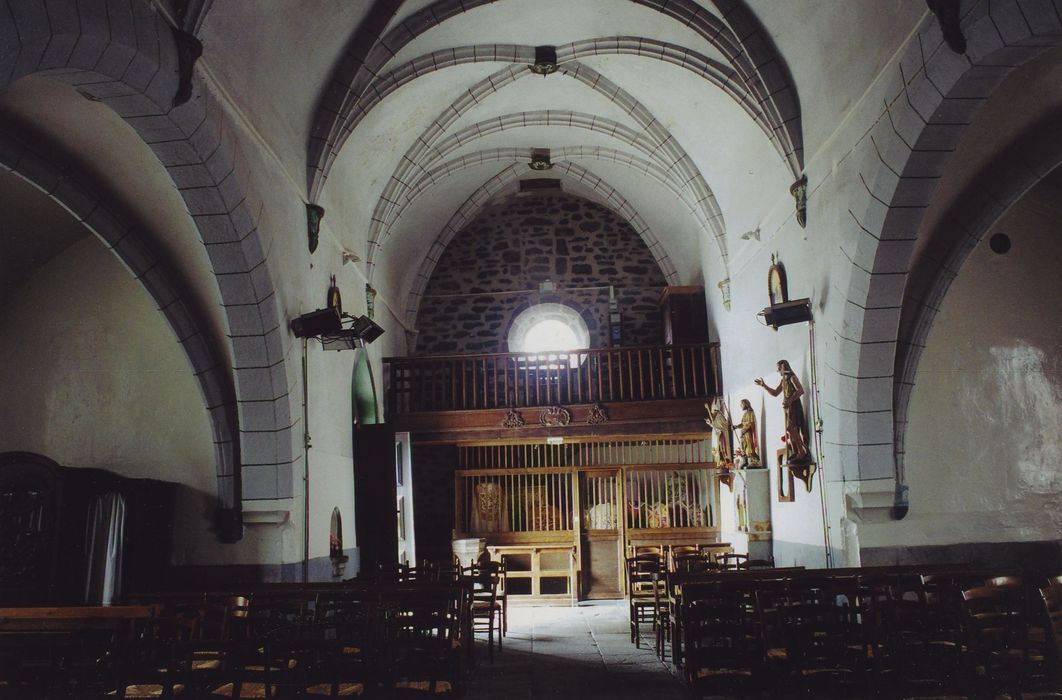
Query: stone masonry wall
pixel 492 270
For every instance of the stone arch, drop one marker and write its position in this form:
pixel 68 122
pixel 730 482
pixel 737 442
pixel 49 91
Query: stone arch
pixel 736 34
pixel 937 95
pixel 73 192
pixel 997 187
pixel 482 196
pixel 545 117
pixel 126 56
pixel 522 155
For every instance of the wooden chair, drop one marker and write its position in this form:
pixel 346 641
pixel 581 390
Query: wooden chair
pixel 643 579
pixel 421 628
pixel 151 664
pixel 677 551
pixel 503 598
pixel 714 549
pixel 693 563
pixel 752 564
pixel 649 550
pixel 825 645
pixel 332 673
pixel 1052 607
pixel 723 645
pixel 732 561
pixel 998 640
pixel 487 611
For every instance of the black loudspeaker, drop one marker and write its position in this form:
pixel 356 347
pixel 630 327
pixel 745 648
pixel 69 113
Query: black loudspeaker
pixel 786 313
pixel 320 322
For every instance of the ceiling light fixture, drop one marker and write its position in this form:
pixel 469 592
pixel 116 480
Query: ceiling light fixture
pixel 540 159
pixel 545 60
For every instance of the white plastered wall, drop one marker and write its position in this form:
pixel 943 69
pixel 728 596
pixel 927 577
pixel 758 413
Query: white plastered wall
pixel 94 377
pixel 984 456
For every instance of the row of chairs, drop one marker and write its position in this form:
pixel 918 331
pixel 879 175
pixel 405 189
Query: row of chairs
pixel 875 634
pixel 489 604
pixel 650 576
pixel 326 641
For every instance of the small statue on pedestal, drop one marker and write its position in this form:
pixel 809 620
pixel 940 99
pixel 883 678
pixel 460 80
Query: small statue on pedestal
pixel 750 449
pixel 719 419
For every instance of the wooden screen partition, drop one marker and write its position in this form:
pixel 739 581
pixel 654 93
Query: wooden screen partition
pixel 495 501
pixel 594 497
pixel 668 498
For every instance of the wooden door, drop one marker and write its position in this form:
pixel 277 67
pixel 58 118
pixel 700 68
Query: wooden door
pixel 601 541
pixel 375 496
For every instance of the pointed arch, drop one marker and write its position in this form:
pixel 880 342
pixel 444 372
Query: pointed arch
pixel 125 55
pixel 937 96
pixel 482 196
pixel 661 146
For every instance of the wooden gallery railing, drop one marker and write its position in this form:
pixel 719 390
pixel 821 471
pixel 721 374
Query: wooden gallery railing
pixel 514 380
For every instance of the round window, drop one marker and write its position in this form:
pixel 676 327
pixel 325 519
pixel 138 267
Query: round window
pixel 548 328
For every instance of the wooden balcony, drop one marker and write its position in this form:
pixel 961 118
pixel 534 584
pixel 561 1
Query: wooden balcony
pixel 631 385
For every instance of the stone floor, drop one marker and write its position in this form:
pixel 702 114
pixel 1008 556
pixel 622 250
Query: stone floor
pixel 580 652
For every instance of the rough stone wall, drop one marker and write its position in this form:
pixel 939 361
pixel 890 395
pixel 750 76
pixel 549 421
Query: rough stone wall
pixel 492 270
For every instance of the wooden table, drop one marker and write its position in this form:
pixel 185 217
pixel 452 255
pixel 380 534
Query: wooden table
pixel 537 571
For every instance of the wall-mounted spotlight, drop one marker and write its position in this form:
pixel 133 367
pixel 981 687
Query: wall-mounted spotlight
pixel 365 329
pixel 317 323
pixel 327 326
pixel 787 312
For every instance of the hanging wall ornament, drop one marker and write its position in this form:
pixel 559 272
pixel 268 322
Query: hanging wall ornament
pixel 777 287
pixel 335 299
pixel 724 290
pixel 799 190
pixel 314 214
pixel 370 301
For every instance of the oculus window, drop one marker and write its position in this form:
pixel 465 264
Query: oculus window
pixel 549 329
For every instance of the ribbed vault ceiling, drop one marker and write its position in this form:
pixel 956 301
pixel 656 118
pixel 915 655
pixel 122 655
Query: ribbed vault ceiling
pixel 680 115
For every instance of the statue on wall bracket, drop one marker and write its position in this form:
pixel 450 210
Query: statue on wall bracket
pixel 719 421
pixel 796 430
pixel 749 448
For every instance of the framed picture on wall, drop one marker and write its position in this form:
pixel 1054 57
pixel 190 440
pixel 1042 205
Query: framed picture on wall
pixel 786 494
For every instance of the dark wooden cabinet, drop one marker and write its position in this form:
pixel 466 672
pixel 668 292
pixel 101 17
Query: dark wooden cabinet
pixel 685 315
pixel 45 512
pixel 30 508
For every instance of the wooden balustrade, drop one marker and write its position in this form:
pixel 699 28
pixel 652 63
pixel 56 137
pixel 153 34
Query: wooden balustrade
pixel 516 380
